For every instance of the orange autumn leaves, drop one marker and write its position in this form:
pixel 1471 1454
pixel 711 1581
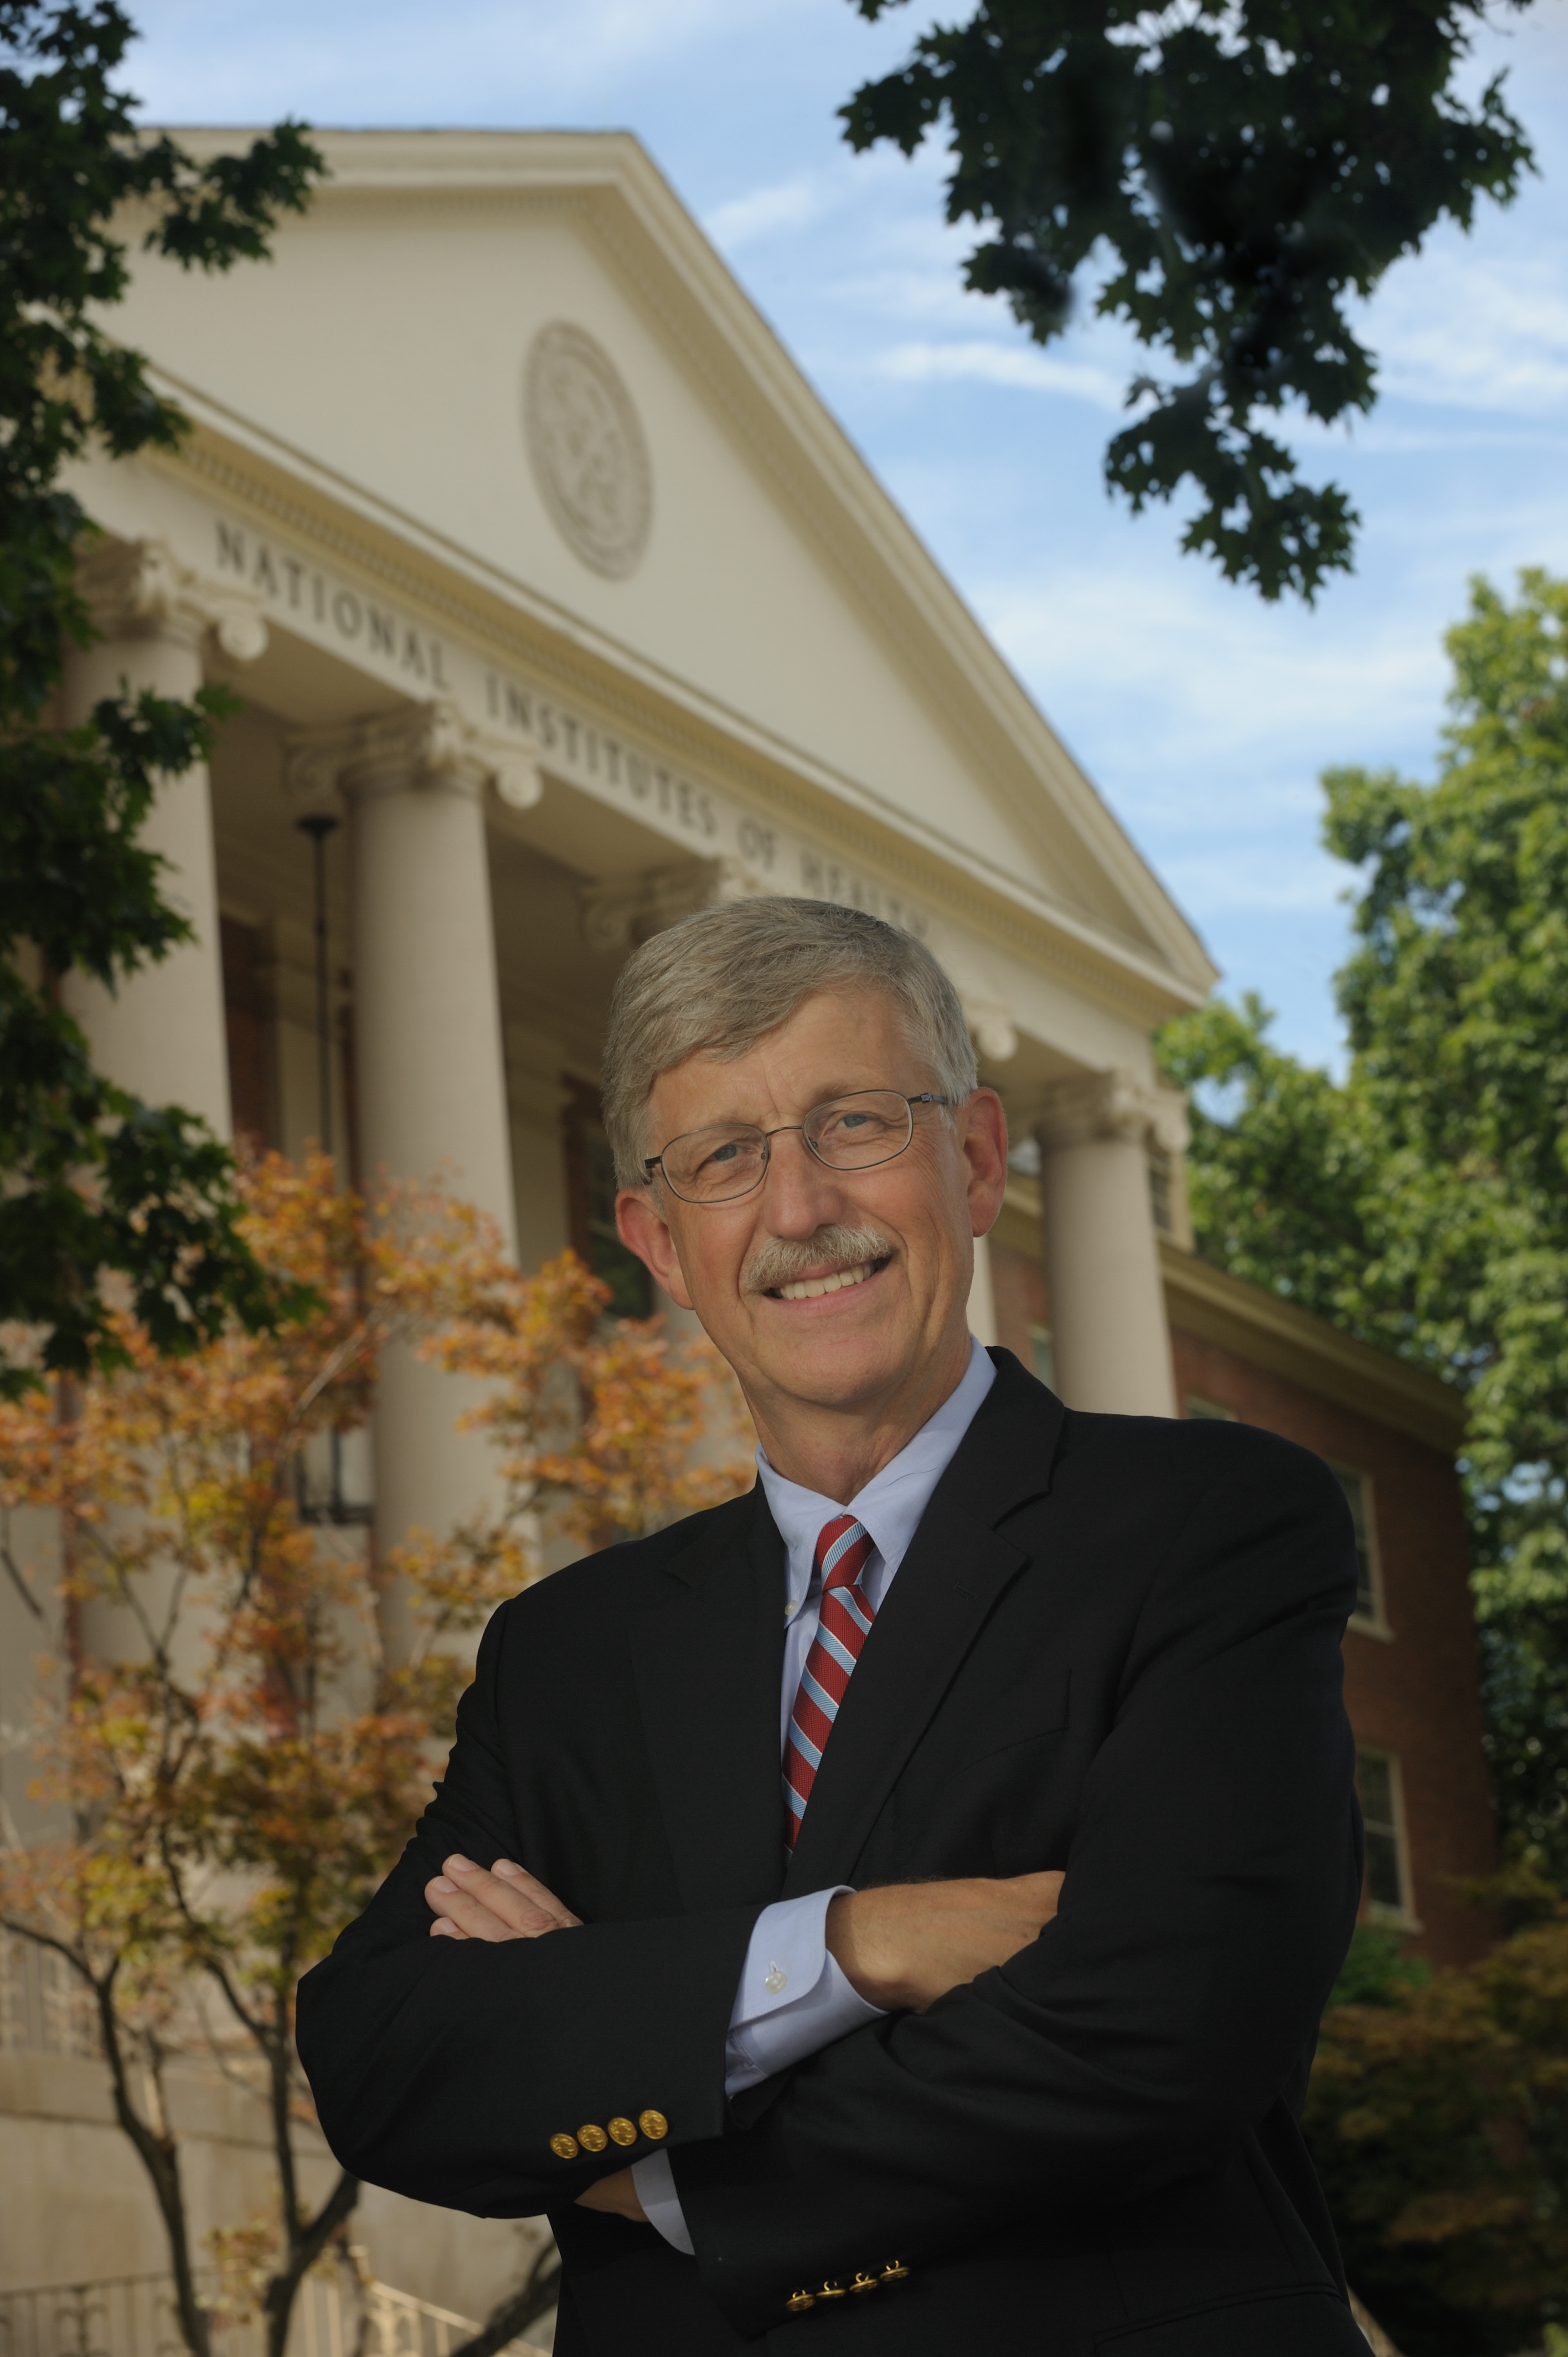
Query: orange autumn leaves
pixel 231 1758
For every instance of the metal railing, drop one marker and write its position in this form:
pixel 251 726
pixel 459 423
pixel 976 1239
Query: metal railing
pixel 134 2316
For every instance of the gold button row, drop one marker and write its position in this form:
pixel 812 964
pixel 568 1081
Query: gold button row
pixel 619 2130
pixel 861 2280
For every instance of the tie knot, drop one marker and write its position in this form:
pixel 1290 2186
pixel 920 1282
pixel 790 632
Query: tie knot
pixel 843 1547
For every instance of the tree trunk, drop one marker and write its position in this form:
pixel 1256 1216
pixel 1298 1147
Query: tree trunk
pixel 158 2150
pixel 517 2310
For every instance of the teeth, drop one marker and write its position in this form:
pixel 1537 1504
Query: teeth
pixel 807 1288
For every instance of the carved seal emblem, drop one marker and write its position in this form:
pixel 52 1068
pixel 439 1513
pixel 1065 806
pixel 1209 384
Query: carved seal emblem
pixel 587 448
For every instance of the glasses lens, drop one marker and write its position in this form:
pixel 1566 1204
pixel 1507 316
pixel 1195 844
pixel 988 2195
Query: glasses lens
pixel 851 1132
pixel 708 1165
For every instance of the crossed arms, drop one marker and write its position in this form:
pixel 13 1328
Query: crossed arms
pixel 900 1947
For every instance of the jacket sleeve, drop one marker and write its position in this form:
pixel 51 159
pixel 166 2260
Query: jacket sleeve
pixel 443 2068
pixel 1210 1890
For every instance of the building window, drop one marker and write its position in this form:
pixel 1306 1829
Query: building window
pixel 1207 1411
pixel 1162 1190
pixel 1357 1492
pixel 1043 1355
pixel 591 1207
pixel 245 1027
pixel 1383 1811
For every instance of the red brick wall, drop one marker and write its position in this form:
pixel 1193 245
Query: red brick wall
pixel 1018 1285
pixel 1418 1693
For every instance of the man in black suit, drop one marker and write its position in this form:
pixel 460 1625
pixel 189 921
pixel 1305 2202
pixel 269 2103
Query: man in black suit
pixel 831 2053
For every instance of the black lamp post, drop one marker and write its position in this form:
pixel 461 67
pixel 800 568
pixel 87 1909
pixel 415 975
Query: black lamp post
pixel 318 825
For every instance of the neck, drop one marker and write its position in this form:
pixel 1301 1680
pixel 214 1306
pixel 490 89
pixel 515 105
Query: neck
pixel 836 1449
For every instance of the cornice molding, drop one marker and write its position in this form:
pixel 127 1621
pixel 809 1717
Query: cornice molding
pixel 1291 1342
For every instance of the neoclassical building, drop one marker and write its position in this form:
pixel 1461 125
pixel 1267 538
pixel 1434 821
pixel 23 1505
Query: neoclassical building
pixel 559 606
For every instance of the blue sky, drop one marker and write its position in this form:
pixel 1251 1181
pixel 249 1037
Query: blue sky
pixel 1204 716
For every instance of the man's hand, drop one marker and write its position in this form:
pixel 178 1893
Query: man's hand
pixel 617 2194
pixel 906 1945
pixel 506 1903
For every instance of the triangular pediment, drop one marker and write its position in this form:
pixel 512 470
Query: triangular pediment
pixel 744 563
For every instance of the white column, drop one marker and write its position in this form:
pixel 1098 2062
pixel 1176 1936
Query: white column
pixel 429 1074
pixel 1108 1315
pixel 983 1295
pixel 162 1035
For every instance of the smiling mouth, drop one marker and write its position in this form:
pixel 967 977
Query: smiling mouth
pixel 807 1288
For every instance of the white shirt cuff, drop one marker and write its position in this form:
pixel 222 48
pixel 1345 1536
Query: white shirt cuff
pixel 655 2183
pixel 793 1999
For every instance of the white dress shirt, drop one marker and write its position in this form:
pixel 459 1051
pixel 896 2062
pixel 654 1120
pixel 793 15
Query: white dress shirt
pixel 793 1998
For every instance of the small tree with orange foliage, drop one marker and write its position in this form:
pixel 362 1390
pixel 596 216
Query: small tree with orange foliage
pixel 233 1761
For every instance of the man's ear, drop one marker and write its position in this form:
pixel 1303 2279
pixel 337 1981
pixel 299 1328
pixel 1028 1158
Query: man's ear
pixel 983 1134
pixel 645 1232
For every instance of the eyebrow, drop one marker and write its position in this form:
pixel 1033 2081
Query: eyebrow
pixel 822 1096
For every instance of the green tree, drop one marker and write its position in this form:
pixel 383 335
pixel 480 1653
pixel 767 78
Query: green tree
pixel 1423 1203
pixel 1436 2122
pixel 92 1179
pixel 1228 178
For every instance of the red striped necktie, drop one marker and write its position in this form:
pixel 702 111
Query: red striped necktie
pixel 843 1550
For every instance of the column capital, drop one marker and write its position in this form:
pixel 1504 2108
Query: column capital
pixel 427 747
pixel 1114 1105
pixel 139 589
pixel 624 910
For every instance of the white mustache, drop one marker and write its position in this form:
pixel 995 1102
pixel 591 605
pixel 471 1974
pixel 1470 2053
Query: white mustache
pixel 780 1260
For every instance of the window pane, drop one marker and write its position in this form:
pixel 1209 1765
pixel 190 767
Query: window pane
pixel 1354 1485
pixel 1385 1884
pixel 1375 1781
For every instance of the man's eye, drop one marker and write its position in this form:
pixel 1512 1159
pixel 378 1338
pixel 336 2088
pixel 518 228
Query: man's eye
pixel 718 1155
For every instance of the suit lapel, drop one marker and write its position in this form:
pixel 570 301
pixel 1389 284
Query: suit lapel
pixel 957 1567
pixel 708 1659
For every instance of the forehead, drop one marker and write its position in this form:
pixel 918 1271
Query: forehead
pixel 835 1040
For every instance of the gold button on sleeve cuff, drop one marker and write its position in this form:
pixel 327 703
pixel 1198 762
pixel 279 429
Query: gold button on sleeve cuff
pixel 563 2147
pixel 863 2282
pixel 895 2271
pixel 622 2131
pixel 654 2125
pixel 829 2290
pixel 591 2138
pixel 799 2302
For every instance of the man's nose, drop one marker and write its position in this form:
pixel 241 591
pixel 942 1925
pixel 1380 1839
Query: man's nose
pixel 800 1193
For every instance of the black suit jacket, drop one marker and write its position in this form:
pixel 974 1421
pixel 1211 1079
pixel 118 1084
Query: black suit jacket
pixel 1113 1648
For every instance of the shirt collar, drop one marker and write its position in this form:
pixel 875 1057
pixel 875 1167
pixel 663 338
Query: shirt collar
pixel 892 1504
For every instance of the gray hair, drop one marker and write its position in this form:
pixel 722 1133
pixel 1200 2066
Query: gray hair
pixel 717 982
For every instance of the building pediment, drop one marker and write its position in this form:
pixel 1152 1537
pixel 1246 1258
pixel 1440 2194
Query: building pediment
pixel 508 370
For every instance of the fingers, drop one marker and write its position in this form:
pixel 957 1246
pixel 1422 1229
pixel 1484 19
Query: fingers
pixel 617 2195
pixel 517 1879
pixel 476 1904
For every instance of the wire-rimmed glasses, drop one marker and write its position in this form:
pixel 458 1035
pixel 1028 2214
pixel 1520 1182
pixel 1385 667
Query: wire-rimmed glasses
pixel 849 1133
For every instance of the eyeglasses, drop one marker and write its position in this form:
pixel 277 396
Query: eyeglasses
pixel 853 1133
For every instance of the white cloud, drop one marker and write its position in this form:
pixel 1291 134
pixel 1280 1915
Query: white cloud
pixel 764 212
pixel 1025 366
pixel 1479 332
